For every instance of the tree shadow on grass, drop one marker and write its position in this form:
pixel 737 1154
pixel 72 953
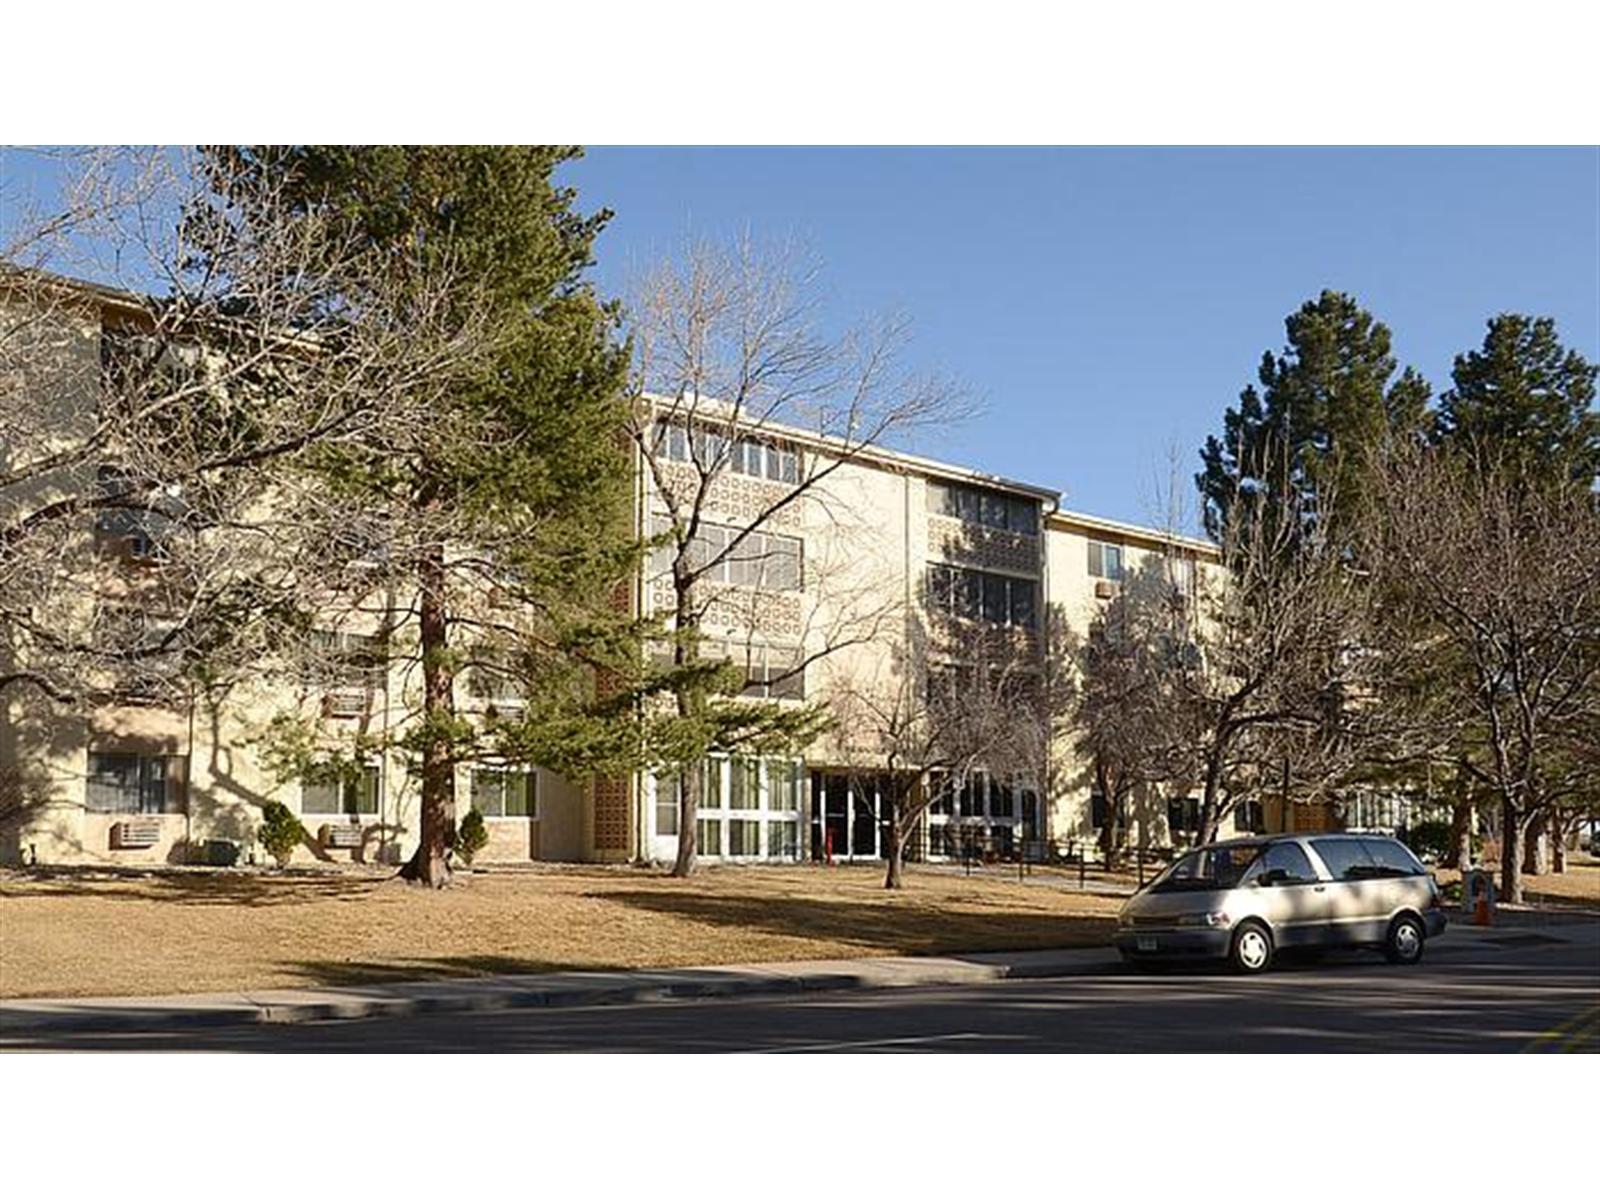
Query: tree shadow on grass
pixel 204 889
pixel 903 926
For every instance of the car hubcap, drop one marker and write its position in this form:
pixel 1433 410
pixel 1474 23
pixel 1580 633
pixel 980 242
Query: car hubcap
pixel 1252 949
pixel 1406 941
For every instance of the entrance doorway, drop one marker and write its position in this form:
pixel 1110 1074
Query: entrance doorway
pixel 847 817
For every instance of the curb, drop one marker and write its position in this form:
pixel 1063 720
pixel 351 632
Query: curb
pixel 503 993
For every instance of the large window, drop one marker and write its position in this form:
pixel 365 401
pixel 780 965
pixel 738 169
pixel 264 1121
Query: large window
pixel 1283 863
pixel 971 595
pixel 1107 560
pixel 1183 815
pixel 750 808
pixel 121 782
pixel 1391 858
pixel 504 792
pixel 769 561
pixel 344 795
pixel 764 458
pixel 984 506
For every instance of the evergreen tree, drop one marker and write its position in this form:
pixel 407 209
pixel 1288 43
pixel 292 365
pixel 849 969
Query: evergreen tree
pixel 1320 405
pixel 501 503
pixel 1524 401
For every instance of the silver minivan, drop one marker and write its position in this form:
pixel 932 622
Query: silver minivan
pixel 1247 899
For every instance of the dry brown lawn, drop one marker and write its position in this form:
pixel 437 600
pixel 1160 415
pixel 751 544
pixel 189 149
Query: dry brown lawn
pixel 1578 884
pixel 66 934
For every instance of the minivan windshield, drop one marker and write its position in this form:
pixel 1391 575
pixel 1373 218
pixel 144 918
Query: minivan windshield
pixel 1214 868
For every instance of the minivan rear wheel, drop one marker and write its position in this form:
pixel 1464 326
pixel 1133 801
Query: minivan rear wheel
pixel 1405 941
pixel 1251 952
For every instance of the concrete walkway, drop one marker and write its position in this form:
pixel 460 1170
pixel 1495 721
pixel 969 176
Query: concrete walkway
pixel 563 989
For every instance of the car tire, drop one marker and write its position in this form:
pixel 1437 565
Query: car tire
pixel 1250 952
pixel 1405 940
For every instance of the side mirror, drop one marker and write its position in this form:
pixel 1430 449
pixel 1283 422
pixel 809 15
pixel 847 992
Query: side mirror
pixel 1273 877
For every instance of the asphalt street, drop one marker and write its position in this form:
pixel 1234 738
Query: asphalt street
pixel 1529 992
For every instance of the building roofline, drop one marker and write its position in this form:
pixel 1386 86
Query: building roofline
pixel 36 277
pixel 1067 519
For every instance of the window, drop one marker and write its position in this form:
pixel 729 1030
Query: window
pixel 668 786
pixel 1391 857
pixel 1183 814
pixel 783 839
pixel 1098 810
pixel 354 660
pixel 783 786
pixel 1284 863
pixel 343 795
pixel 1106 560
pixel 504 792
pixel 764 458
pixel 759 560
pixel 771 672
pixel 744 784
pixel 1345 858
pixel 1250 817
pixel 124 519
pixel 744 839
pixel 972 595
pixel 1208 870
pixel 997 510
pixel 708 836
pixel 136 783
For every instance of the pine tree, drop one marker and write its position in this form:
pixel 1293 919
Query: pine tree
pixel 1320 406
pixel 1524 401
pixel 508 490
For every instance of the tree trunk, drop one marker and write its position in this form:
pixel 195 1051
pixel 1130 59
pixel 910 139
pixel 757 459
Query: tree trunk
pixel 688 821
pixel 895 851
pixel 1510 854
pixel 1558 849
pixel 1210 817
pixel 430 865
pixel 1535 860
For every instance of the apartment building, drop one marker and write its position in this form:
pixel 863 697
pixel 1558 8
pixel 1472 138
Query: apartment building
pixel 835 592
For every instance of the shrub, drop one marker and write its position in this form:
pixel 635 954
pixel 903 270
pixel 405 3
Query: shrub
pixel 471 836
pixel 280 831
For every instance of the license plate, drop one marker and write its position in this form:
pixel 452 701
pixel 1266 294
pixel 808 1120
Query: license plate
pixel 1146 944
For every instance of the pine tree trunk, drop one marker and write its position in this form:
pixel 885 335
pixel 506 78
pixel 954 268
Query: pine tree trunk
pixel 430 865
pixel 1510 854
pixel 688 821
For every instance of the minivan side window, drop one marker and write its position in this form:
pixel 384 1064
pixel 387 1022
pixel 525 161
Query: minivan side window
pixel 1346 858
pixel 1392 858
pixel 1285 863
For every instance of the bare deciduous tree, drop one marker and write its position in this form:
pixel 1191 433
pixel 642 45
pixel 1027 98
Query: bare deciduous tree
pixel 733 377
pixel 1500 579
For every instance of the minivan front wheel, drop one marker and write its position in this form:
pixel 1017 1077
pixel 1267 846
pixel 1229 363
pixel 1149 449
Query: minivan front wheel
pixel 1251 953
pixel 1405 940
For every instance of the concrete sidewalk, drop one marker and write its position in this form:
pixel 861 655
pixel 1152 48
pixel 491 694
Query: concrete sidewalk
pixel 563 989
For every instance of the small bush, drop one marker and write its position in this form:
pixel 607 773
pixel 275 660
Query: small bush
pixel 471 836
pixel 280 831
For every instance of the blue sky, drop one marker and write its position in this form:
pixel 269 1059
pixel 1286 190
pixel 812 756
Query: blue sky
pixel 1107 305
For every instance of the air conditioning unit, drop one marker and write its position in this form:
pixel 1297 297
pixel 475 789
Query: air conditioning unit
pixel 345 702
pixel 1104 589
pixel 340 837
pixel 135 835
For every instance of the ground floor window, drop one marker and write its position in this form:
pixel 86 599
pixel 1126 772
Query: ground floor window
pixel 121 782
pixel 749 808
pixel 1250 817
pixel 504 792
pixel 352 795
pixel 984 815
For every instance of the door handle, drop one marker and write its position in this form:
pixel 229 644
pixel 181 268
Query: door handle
pixel 1319 888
